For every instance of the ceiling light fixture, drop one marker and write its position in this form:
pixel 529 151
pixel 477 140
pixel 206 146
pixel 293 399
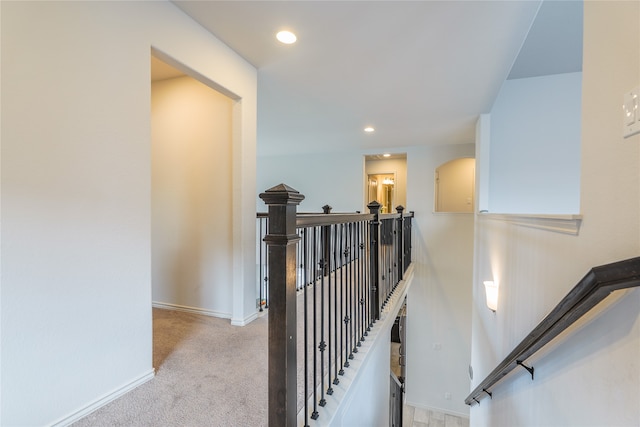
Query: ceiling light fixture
pixel 369 129
pixel 286 37
pixel 386 155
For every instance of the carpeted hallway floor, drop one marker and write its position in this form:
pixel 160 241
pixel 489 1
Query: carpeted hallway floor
pixel 208 373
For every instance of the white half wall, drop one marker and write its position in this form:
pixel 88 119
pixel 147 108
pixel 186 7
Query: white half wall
pixel 535 146
pixel 590 375
pixel 76 195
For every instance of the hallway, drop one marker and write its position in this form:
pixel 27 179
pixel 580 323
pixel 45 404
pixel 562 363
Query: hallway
pixel 209 373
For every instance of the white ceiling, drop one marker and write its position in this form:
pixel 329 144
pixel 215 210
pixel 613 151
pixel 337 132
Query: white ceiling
pixel 420 72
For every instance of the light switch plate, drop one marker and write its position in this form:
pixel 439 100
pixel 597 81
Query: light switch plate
pixel 631 114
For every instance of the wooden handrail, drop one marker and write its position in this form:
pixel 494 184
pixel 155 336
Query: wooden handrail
pixel 304 219
pixel 598 283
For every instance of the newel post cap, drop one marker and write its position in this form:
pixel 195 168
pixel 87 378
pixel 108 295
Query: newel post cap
pixel 374 207
pixel 282 194
pixel 400 208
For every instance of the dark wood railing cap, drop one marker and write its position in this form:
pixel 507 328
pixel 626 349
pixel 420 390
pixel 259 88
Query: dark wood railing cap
pixel 282 194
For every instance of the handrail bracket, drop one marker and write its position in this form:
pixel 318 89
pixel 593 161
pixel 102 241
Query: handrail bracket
pixel 528 368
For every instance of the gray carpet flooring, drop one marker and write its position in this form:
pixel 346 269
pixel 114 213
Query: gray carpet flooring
pixel 209 373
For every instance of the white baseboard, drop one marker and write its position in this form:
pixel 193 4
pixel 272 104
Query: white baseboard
pixel 205 312
pixel 107 398
pixel 195 310
pixel 433 408
pixel 244 322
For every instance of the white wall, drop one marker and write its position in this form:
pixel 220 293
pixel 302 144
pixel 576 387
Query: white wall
pixel 535 146
pixel 591 375
pixel 191 190
pixel 323 178
pixel 438 305
pixel 76 218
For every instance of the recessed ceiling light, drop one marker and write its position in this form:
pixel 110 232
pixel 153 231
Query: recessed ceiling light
pixel 286 37
pixel 369 129
pixel 386 155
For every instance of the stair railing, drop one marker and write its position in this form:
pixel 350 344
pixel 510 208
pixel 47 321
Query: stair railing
pixel 327 278
pixel 596 285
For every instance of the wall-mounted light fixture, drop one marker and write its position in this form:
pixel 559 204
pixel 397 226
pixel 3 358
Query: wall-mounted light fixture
pixel 491 290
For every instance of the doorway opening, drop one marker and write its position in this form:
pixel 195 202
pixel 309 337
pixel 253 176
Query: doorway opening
pixel 191 194
pixel 386 181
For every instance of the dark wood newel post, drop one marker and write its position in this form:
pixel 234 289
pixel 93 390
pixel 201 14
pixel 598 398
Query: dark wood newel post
pixel 281 239
pixel 400 242
pixel 374 208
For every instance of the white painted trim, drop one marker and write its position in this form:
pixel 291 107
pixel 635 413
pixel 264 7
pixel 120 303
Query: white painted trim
pixel 567 224
pixel 195 310
pixel 244 322
pixel 433 408
pixel 102 401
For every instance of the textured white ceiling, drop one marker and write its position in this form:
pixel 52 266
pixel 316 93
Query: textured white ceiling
pixel 420 72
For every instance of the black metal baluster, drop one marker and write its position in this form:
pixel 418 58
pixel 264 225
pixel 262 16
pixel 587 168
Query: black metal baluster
pixel 336 319
pixel 314 263
pixel 323 345
pixel 389 261
pixel 352 290
pixel 396 252
pixel 367 281
pixel 361 306
pixel 392 258
pixel 331 277
pixel 343 361
pixel 265 274
pixel 400 240
pixel 261 236
pixel 374 261
pixel 355 337
pixel 383 269
pixel 363 286
pixel 349 316
pixel 302 264
pixel 306 330
pixel 386 262
pixel 356 284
